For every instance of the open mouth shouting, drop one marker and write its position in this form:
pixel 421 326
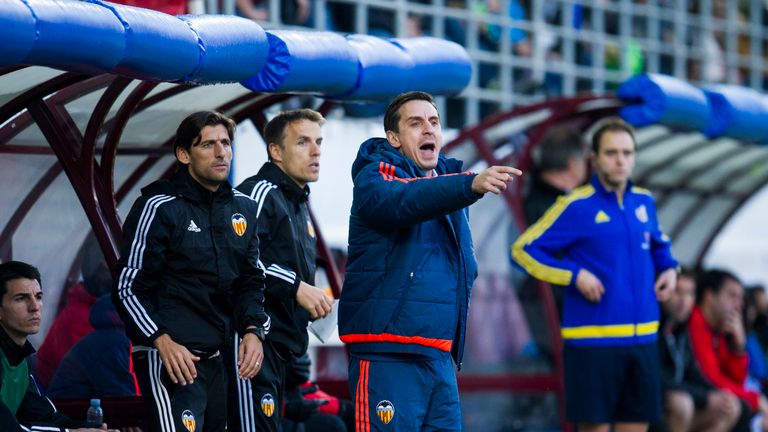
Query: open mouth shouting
pixel 428 150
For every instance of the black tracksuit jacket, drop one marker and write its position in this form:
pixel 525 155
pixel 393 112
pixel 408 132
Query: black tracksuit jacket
pixel 287 244
pixel 190 265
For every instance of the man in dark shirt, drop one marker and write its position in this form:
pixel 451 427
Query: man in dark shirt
pixel 559 166
pixel 22 407
pixel 689 403
pixel 189 277
pixel 287 249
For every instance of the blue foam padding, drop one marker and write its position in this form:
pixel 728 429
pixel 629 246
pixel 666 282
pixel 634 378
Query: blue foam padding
pixel 306 61
pixel 663 99
pixel 158 47
pixel 385 69
pixel 231 48
pixel 440 66
pixel 17 31
pixel 75 36
pixel 737 112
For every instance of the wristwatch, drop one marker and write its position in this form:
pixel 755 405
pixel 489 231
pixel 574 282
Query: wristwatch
pixel 258 331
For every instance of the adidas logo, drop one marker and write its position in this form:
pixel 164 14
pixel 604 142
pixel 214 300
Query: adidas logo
pixel 192 226
pixel 601 217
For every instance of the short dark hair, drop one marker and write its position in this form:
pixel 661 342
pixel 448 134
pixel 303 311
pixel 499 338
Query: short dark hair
pixel 275 128
pixel 392 114
pixel 712 280
pixel 12 270
pixel 188 132
pixel 558 147
pixel 613 124
pixel 689 272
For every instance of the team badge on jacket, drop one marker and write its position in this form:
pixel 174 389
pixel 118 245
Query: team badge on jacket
pixel 268 405
pixel 239 224
pixel 642 214
pixel 189 420
pixel 310 228
pixel 385 410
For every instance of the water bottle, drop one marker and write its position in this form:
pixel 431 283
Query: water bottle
pixel 95 416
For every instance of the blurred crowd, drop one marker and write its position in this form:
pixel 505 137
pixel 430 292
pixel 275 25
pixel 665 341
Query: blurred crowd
pixel 713 341
pixel 529 49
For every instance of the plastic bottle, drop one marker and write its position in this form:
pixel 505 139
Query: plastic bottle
pixel 95 415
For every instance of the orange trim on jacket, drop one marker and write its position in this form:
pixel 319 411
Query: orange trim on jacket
pixel 441 344
pixel 387 171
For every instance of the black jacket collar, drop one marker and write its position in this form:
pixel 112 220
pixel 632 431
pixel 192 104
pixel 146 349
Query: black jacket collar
pixel 13 352
pixel 189 187
pixel 290 189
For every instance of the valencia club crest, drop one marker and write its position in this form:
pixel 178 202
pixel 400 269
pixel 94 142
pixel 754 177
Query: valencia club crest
pixel 188 419
pixel 386 411
pixel 239 224
pixel 268 405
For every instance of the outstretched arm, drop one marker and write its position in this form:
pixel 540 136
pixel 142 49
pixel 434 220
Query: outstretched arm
pixel 385 198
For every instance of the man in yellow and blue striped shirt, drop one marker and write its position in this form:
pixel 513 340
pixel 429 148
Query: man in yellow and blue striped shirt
pixel 603 243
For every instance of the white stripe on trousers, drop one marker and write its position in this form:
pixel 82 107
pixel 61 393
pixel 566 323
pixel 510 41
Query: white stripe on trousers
pixel 244 397
pixel 159 392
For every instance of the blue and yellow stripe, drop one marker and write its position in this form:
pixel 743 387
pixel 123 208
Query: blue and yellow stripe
pixel 538 269
pixel 610 331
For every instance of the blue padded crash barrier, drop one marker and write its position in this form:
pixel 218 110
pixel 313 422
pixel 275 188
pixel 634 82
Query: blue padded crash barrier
pixel 737 112
pixel 440 66
pixel 663 99
pixel 232 49
pixel 17 31
pixel 158 46
pixel 385 69
pixel 75 36
pixel 95 36
pixel 306 61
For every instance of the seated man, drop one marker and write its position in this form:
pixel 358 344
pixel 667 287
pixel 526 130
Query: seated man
pixel 99 364
pixel 22 408
pixel 71 323
pixel 718 342
pixel 689 402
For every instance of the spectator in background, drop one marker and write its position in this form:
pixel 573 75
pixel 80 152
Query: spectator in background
pixel 559 166
pixel 171 7
pixel 690 404
pixel 22 407
pixel 72 323
pixel 292 12
pixel 99 364
pixel 718 341
pixel 490 37
pixel 257 10
pixel 754 302
pixel 761 320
